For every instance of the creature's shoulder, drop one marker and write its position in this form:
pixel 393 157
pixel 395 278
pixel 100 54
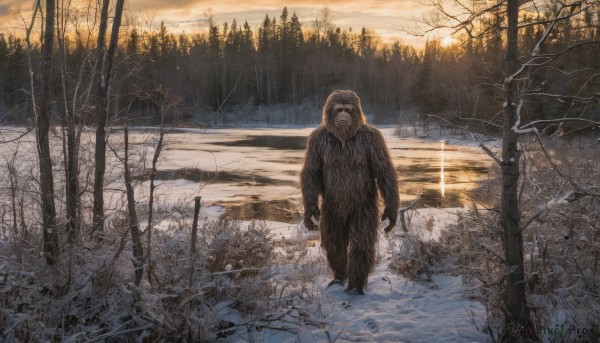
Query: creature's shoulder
pixel 371 133
pixel 317 135
pixel 320 130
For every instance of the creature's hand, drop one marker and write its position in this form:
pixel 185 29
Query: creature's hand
pixel 392 216
pixel 309 211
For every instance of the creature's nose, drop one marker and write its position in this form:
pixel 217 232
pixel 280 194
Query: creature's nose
pixel 343 119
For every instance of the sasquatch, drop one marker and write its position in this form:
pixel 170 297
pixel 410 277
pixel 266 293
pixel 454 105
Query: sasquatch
pixel 346 162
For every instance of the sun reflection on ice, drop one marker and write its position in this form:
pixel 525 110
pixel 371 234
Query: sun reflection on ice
pixel 442 182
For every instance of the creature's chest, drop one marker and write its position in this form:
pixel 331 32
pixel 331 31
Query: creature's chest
pixel 350 156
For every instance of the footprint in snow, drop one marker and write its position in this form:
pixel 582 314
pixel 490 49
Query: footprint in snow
pixel 372 324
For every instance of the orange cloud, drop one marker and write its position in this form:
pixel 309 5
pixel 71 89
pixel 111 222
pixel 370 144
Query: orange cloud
pixel 385 17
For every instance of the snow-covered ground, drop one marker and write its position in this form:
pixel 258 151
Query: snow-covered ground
pixel 394 308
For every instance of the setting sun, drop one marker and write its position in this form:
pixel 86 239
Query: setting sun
pixel 447 41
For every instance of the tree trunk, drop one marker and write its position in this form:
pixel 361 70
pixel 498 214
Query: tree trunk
pixel 136 242
pixel 102 111
pixel 100 159
pixel 100 150
pixel 157 152
pixel 70 138
pixel 72 156
pixel 14 184
pixel 51 247
pixel 515 301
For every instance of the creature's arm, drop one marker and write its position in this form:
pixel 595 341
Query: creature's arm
pixel 387 179
pixel 310 180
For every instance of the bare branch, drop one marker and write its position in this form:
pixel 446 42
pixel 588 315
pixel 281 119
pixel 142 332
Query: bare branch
pixel 560 120
pixel 466 128
pixel 17 138
pixel 490 153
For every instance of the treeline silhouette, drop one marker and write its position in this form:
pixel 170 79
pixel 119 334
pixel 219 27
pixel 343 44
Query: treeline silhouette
pixel 230 72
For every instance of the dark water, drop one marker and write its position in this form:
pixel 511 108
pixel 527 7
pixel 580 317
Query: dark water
pixel 198 175
pixel 273 142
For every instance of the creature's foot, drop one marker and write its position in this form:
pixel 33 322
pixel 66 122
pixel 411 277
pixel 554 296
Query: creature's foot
pixel 335 282
pixel 352 290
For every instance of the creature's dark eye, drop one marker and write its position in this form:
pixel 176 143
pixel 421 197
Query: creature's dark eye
pixel 340 110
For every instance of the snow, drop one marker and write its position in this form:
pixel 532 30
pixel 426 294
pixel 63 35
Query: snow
pixel 434 218
pixel 395 310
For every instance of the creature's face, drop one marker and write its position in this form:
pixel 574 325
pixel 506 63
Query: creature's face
pixel 342 114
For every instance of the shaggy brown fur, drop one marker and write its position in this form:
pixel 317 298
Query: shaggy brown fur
pixel 345 165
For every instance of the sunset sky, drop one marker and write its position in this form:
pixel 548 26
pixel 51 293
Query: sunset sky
pixel 386 17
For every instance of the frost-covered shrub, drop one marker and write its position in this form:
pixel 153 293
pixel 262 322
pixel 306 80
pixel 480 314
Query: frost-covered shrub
pixel 237 260
pixel 102 304
pixel 233 248
pixel 561 238
pixel 171 253
pixel 415 257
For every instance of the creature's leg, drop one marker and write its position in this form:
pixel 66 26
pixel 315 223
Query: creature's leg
pixel 334 239
pixel 362 245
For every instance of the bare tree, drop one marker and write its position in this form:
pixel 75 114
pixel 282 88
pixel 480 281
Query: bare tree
pixel 103 107
pixel 72 122
pixel 166 102
pixel 51 246
pixel 100 147
pixel 14 186
pixel 478 20
pixel 515 300
pixel 134 227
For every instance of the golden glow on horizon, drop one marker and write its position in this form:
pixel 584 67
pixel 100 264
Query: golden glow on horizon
pixel 387 18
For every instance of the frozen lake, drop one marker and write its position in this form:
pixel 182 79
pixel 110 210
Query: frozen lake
pixel 254 173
